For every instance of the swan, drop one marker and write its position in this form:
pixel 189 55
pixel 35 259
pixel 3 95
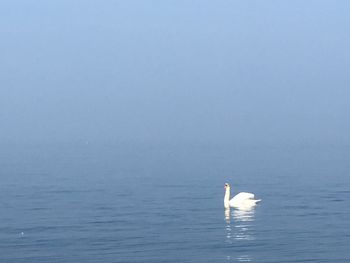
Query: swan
pixel 241 201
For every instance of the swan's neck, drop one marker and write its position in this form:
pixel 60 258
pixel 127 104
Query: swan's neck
pixel 227 197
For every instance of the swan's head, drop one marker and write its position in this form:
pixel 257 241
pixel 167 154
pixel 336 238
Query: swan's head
pixel 226 186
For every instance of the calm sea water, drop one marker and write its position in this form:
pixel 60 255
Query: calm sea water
pixel 157 203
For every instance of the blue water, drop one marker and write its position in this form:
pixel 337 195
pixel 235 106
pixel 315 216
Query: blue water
pixel 164 203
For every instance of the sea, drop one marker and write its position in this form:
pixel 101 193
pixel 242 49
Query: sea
pixel 163 202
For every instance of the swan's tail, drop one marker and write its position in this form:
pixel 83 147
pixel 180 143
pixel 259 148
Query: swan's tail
pixel 257 201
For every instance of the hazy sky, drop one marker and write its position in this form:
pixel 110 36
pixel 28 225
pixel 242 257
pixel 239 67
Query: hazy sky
pixel 78 70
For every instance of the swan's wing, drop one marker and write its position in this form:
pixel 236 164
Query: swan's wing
pixel 242 196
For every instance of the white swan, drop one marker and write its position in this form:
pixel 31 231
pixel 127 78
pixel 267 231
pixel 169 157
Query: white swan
pixel 241 201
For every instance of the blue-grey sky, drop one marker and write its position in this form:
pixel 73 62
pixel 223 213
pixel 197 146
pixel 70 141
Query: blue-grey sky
pixel 176 70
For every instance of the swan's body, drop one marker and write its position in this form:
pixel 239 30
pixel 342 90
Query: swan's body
pixel 242 200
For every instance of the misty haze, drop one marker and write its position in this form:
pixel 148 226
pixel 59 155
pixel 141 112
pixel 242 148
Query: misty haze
pixel 122 121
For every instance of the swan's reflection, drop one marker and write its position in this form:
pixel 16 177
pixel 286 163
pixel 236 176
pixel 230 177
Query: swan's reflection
pixel 243 224
pixel 239 230
pixel 228 225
